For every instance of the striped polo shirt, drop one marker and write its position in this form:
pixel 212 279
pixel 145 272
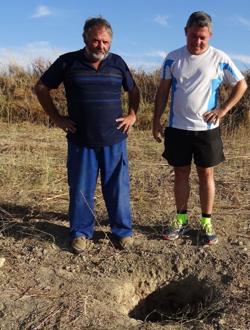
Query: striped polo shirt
pixel 93 96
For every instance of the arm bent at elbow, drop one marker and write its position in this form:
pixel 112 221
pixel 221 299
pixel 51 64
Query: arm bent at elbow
pixel 234 97
pixel 44 97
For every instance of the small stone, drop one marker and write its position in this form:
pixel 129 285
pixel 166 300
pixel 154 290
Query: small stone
pixel 179 268
pixel 2 261
pixel 222 322
pixel 240 243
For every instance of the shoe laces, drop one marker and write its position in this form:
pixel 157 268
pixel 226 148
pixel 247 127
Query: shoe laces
pixel 175 224
pixel 208 228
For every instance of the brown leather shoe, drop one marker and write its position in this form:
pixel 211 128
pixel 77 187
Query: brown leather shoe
pixel 79 244
pixel 126 242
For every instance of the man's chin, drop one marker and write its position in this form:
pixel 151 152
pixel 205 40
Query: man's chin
pixel 197 51
pixel 95 57
pixel 98 57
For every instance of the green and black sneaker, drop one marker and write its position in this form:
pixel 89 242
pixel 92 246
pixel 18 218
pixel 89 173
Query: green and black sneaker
pixel 178 227
pixel 207 231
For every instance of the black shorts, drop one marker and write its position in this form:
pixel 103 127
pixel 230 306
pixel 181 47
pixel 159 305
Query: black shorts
pixel 205 146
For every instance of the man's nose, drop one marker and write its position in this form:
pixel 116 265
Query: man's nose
pixel 100 45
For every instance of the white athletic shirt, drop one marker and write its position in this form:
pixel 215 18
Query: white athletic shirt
pixel 195 85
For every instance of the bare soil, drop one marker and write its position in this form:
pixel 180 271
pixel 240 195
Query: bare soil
pixel 154 285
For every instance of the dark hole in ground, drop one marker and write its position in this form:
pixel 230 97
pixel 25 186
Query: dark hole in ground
pixel 183 300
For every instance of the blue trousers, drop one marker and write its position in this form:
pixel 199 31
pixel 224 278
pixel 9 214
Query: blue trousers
pixel 84 165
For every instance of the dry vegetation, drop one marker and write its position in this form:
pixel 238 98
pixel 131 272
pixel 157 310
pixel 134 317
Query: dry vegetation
pixel 18 102
pixel 155 285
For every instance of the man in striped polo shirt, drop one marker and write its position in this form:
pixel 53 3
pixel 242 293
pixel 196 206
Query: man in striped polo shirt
pixel 96 130
pixel 194 74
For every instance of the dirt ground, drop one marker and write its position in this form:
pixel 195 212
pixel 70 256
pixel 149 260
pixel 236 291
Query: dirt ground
pixel 154 285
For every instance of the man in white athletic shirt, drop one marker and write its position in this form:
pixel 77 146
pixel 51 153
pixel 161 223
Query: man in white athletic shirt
pixel 194 74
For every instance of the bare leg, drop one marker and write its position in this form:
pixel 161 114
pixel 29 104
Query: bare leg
pixel 181 186
pixel 207 188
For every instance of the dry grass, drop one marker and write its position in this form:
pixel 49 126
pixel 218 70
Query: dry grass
pixel 19 104
pixel 33 171
pixel 44 286
pixel 31 163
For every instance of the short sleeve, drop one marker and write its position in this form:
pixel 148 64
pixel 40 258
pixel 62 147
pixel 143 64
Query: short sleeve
pixel 230 73
pixel 166 68
pixel 128 82
pixel 54 75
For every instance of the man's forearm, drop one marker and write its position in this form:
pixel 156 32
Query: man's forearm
pixel 133 101
pixel 160 105
pixel 45 99
pixel 161 99
pixel 235 96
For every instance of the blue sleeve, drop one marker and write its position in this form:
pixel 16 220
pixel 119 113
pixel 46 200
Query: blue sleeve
pixel 54 75
pixel 128 82
pixel 166 68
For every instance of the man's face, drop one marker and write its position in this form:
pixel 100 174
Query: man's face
pixel 197 39
pixel 98 43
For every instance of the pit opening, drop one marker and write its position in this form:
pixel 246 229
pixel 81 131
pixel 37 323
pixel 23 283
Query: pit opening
pixel 179 301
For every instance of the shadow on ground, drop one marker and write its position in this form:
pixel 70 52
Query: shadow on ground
pixel 21 222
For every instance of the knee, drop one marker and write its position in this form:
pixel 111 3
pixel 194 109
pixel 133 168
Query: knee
pixel 205 174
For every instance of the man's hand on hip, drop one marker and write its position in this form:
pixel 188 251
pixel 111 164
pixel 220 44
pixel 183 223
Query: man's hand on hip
pixel 214 116
pixel 65 123
pixel 126 122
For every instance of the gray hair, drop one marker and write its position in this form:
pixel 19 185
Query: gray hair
pixel 201 19
pixel 94 22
